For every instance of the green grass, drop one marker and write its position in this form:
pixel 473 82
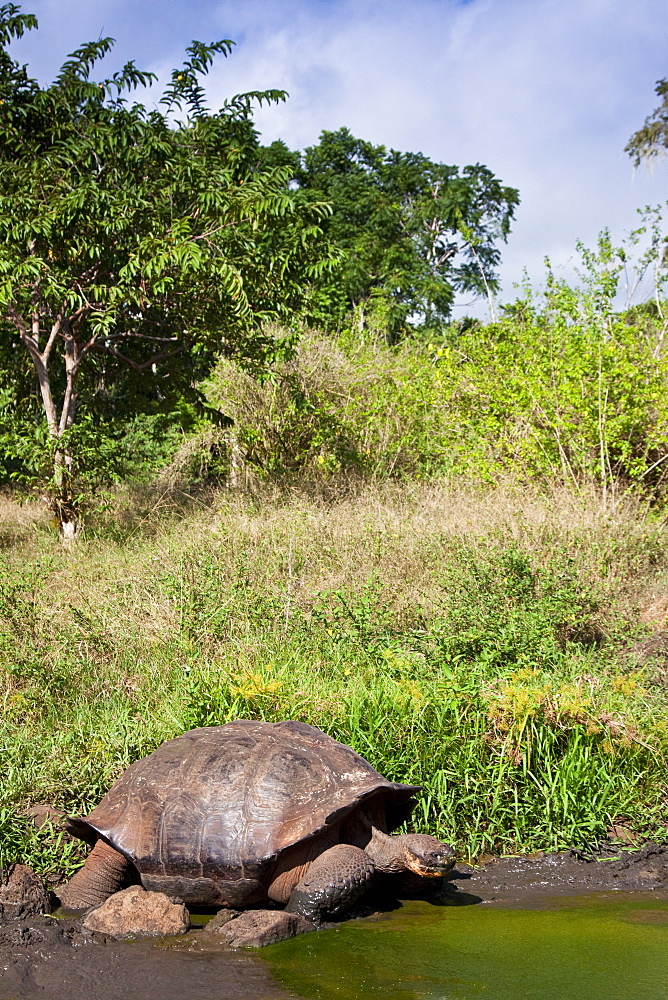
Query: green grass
pixel 476 642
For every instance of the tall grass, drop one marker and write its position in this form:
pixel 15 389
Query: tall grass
pixel 476 641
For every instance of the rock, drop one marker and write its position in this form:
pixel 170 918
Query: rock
pixel 41 813
pixel 256 928
pixel 134 912
pixel 42 931
pixel 217 923
pixel 22 893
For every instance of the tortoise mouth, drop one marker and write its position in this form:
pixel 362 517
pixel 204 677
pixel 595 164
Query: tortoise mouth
pixel 432 869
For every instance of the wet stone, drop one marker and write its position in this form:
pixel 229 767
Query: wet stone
pixel 222 918
pixel 257 928
pixel 39 932
pixel 134 912
pixel 22 893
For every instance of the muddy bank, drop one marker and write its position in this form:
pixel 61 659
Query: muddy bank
pixel 508 879
pixel 49 959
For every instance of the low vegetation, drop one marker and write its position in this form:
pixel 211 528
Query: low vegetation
pixel 523 397
pixel 486 643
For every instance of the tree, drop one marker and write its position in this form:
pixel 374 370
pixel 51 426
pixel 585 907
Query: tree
pixel 414 231
pixel 135 239
pixel 652 139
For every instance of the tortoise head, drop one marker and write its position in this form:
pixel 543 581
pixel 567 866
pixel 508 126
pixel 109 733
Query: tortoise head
pixel 425 855
pixel 410 852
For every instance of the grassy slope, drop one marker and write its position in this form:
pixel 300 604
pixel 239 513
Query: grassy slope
pixel 473 641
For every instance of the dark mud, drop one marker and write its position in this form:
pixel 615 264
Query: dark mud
pixel 50 959
pixel 526 877
pixel 41 957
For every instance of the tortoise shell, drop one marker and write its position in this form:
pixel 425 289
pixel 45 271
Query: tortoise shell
pixel 207 815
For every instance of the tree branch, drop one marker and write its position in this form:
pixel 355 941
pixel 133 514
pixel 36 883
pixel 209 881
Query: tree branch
pixel 55 330
pixel 217 229
pixel 71 368
pixel 141 336
pixel 145 364
pixel 32 346
pixel 17 319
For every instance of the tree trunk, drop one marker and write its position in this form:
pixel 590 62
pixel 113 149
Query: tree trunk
pixel 63 503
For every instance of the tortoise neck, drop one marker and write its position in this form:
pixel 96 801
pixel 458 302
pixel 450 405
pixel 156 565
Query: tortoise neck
pixel 386 852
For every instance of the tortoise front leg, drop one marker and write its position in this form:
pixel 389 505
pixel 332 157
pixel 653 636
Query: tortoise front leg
pixel 333 882
pixel 104 872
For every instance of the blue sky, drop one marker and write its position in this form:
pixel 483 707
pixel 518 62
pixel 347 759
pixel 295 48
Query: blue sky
pixel 544 92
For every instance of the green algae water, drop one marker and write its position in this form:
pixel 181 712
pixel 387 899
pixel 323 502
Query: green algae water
pixel 605 946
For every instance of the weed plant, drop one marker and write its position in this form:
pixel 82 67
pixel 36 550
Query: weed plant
pixel 477 642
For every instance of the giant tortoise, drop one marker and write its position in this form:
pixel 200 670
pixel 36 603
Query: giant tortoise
pixel 252 813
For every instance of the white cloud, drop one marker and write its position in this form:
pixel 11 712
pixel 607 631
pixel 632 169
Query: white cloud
pixel 544 92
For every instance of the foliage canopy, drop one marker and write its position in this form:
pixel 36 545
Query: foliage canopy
pixel 415 232
pixel 138 240
pixel 652 139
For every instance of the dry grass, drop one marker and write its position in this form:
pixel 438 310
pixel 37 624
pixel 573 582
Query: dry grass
pixel 401 533
pixel 20 522
pixel 398 534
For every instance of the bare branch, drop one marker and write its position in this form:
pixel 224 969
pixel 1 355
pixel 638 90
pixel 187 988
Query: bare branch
pixel 145 364
pixel 217 229
pixel 71 367
pixel 17 319
pixel 79 313
pixel 34 324
pixel 90 274
pixel 85 348
pixel 141 336
pixel 66 418
pixel 32 346
pixel 26 334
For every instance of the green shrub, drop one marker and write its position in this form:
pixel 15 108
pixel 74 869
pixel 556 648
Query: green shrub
pixel 562 388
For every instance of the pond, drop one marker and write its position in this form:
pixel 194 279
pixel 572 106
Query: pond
pixel 602 946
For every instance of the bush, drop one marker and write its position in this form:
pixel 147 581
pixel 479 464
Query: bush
pixel 562 389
